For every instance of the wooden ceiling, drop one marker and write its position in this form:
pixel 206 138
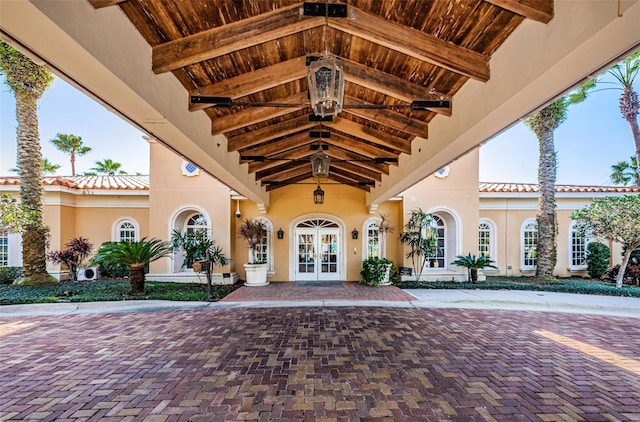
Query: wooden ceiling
pixel 393 52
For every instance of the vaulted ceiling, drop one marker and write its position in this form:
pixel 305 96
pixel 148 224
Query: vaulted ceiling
pixel 393 51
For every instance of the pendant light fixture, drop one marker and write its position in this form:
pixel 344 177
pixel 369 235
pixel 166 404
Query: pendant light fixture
pixel 326 79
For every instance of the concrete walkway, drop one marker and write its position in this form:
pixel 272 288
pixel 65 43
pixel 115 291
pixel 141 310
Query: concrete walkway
pixel 421 298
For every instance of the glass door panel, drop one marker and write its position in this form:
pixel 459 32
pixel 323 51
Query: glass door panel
pixel 306 255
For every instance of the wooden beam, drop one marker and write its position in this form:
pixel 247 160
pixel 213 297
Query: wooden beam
pixel 298 153
pixel 354 169
pixel 245 33
pixel 292 180
pixel 370 135
pixel 252 82
pixel 257 137
pixel 283 172
pixel 99 4
pixel 537 10
pixel 348 179
pixel 357 146
pixel 387 84
pixel 338 153
pixel 414 43
pixel 387 117
pixel 275 147
pixel 252 115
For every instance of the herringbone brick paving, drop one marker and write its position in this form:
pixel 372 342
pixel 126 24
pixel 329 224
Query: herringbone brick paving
pixel 289 291
pixel 323 364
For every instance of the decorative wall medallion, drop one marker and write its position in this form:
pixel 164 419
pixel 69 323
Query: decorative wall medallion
pixel 189 169
pixel 442 173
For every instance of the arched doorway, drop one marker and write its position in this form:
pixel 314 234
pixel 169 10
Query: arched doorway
pixel 318 251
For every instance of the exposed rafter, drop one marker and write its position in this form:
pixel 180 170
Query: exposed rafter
pixel 414 43
pixel 537 10
pixel 232 37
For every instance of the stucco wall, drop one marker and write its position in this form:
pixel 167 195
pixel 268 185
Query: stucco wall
pixel 172 194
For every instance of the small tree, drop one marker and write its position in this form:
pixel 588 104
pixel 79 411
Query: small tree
pixel 598 255
pixel 473 264
pixel 616 218
pixel 421 235
pixel 12 215
pixel 252 231
pixel 137 255
pixel 108 167
pixel 71 145
pixel 78 250
pixel 197 246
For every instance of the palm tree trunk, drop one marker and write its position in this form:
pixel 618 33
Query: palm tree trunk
pixel 35 233
pixel 136 278
pixel 629 105
pixel 73 164
pixel 546 219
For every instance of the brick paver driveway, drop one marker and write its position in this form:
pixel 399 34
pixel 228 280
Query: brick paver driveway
pixel 340 364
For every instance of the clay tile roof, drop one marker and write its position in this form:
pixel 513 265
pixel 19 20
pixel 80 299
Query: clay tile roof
pixel 533 188
pixel 119 182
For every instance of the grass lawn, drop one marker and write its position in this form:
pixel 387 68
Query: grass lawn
pixel 110 290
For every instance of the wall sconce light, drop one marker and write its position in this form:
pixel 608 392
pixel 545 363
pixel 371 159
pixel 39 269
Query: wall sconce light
pixel 354 234
pixel 280 234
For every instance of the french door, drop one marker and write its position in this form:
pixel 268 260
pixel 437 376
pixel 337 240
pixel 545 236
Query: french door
pixel 317 251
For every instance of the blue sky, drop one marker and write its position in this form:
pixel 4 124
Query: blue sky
pixel 594 137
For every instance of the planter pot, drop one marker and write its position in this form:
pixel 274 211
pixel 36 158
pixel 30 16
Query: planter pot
pixel 386 280
pixel 256 275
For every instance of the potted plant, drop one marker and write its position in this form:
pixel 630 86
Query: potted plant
pixel 137 255
pixel 473 264
pixel 198 249
pixel 376 271
pixel 253 231
pixel 421 235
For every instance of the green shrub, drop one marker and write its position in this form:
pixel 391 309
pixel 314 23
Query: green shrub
pixel 598 255
pixel 113 270
pixel 375 271
pixel 8 274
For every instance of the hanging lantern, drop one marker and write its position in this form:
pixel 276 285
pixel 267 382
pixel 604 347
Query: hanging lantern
pixel 320 164
pixel 326 86
pixel 318 195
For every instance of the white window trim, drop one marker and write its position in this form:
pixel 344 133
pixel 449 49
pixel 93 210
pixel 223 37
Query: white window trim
pixel 270 259
pixel 115 229
pixel 526 268
pixel 587 240
pixel 365 238
pixel 493 247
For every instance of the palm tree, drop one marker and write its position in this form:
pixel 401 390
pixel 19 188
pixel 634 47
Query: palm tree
pixel 47 167
pixel 72 145
pixel 137 255
pixel 626 172
pixel 543 123
pixel 108 167
pixel 625 74
pixel 28 81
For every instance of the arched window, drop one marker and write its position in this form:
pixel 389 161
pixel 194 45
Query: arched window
pixel 196 222
pixel 438 260
pixel 126 229
pixel 4 250
pixel 373 241
pixel 264 250
pixel 577 249
pixel 486 238
pixel 127 232
pixel 529 240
